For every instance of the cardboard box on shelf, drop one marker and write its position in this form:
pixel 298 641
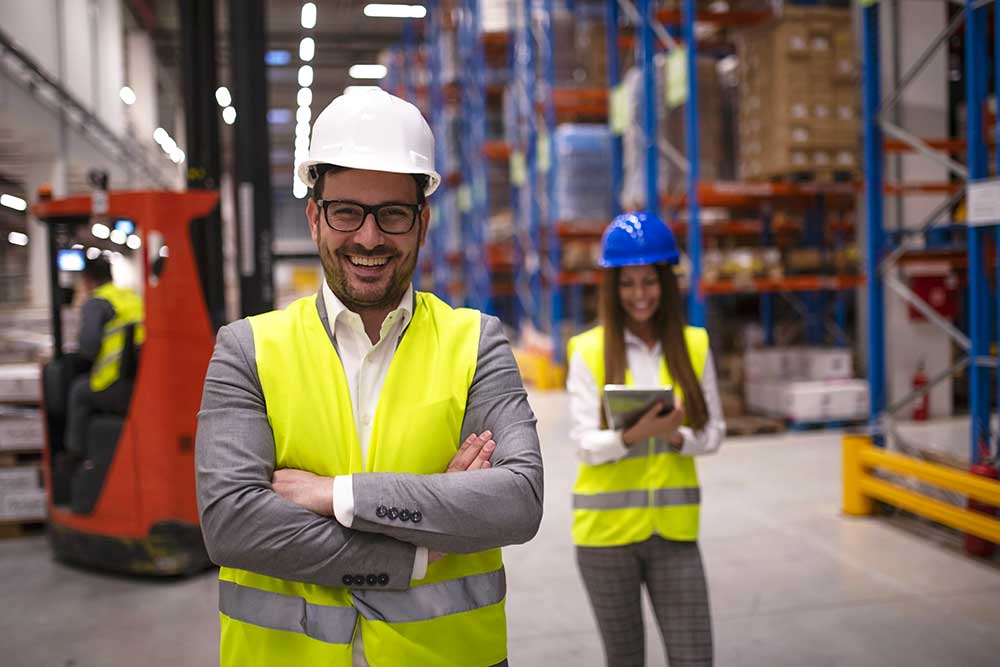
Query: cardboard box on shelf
pixel 23 506
pixel 21 431
pixel 20 478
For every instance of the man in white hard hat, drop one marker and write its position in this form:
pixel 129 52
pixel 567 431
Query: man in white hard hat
pixel 363 454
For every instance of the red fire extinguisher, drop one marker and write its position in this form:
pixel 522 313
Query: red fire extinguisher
pixel 977 546
pixel 922 410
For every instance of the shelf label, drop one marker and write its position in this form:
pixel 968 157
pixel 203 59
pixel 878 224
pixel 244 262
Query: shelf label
pixel 464 198
pixel 983 202
pixel 618 112
pixel 542 151
pixel 518 168
pixel 676 84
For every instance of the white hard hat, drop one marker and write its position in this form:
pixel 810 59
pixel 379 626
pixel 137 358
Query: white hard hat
pixel 371 129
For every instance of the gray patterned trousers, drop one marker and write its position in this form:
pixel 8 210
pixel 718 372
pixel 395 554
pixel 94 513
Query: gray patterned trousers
pixel 675 581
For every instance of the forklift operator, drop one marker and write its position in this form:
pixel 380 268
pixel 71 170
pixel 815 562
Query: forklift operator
pixel 104 319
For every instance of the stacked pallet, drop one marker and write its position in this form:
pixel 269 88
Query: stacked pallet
pixel 799 97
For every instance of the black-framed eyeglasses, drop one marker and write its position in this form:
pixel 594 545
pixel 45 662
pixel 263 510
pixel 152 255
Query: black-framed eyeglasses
pixel 348 216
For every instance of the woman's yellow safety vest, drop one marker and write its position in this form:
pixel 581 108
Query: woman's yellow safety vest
pixel 128 310
pixel 650 491
pixel 455 615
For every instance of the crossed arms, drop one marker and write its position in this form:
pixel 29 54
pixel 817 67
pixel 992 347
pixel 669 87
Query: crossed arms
pixel 248 525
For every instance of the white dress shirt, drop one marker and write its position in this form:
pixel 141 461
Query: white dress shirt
pixel 596 445
pixel 366 367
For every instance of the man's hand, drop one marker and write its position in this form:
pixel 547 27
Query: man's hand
pixel 474 454
pixel 652 425
pixel 313 492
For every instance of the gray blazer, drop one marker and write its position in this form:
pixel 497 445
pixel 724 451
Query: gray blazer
pixel 248 526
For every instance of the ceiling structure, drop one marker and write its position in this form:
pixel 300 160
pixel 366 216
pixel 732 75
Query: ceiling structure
pixel 344 36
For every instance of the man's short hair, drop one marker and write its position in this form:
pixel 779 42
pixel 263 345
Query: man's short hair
pixel 98 270
pixel 321 170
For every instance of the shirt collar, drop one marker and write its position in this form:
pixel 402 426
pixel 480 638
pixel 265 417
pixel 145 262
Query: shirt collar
pixel 631 340
pixel 336 312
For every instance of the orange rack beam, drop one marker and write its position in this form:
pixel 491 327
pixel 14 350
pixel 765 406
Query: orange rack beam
pixel 496 150
pixel 788 284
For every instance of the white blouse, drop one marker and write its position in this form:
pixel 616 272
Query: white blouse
pixel 596 445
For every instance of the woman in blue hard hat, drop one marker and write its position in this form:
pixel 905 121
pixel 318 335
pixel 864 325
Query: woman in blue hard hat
pixel 636 497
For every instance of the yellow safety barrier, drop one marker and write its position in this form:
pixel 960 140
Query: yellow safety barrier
pixel 860 488
pixel 538 369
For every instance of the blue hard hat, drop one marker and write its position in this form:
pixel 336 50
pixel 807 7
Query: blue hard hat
pixel 637 238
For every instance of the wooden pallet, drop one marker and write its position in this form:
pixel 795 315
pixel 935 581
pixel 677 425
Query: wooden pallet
pixel 13 529
pixel 753 425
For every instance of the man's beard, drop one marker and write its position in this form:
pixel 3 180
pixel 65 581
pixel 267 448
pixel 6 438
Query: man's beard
pixel 356 300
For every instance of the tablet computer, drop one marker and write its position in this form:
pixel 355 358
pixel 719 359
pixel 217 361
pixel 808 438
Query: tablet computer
pixel 625 404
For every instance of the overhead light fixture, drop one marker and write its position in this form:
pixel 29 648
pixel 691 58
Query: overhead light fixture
pixel 378 10
pixel 93 253
pixel 367 71
pixel 160 135
pixel 229 115
pixel 277 57
pixel 301 143
pixel 302 129
pixel 223 96
pixel 305 76
pixel 133 242
pixel 18 238
pixel 77 246
pixel 299 189
pixel 127 95
pixel 101 231
pixel 303 114
pixel 309 15
pixel 16 203
pixel 305 97
pixel 118 236
pixel 307 49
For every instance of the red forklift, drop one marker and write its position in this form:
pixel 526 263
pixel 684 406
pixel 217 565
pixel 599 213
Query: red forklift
pixel 127 504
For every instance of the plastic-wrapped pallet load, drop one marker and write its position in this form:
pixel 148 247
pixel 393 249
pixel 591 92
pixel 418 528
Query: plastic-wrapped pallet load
pixel 715 127
pixel 20 383
pixel 583 175
pixel 20 429
pixel 22 497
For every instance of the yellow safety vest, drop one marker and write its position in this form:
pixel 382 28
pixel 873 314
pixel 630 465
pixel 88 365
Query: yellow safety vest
pixel 455 615
pixel 652 489
pixel 128 310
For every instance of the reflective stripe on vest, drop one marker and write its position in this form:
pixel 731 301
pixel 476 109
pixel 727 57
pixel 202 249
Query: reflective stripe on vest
pixel 128 309
pixel 308 402
pixel 333 625
pixel 652 489
pixel 616 500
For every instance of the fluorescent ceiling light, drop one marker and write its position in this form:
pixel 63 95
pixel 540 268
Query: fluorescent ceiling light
pixel 18 238
pixel 367 71
pixel 223 97
pixel 16 203
pixel 303 115
pixel 307 49
pixel 160 135
pixel 299 189
pixel 309 15
pixel 100 231
pixel 118 236
pixel 302 130
pixel 277 57
pixel 127 95
pixel 378 10
pixel 301 143
pixel 305 76
pixel 305 97
pixel 229 115
pixel 93 253
pixel 133 242
pixel 77 246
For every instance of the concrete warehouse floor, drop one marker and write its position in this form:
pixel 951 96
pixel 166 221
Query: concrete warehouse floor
pixel 792 581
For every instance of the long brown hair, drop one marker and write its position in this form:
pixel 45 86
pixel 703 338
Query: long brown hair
pixel 668 321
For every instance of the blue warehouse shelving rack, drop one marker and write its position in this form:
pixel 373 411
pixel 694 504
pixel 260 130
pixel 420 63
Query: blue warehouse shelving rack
pixel 884 253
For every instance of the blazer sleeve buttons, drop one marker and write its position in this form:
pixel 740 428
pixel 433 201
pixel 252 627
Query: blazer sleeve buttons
pixel 380 511
pixel 393 513
pixel 404 515
pixel 383 579
pixel 416 516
